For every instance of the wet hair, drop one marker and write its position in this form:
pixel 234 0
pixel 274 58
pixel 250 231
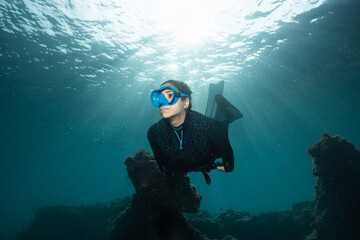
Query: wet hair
pixel 181 87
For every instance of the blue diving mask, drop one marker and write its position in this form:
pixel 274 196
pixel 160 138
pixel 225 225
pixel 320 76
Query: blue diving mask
pixel 166 96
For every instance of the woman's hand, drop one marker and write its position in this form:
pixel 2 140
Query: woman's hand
pixel 221 168
pixel 224 168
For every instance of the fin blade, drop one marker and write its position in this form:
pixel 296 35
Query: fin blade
pixel 214 89
pixel 225 111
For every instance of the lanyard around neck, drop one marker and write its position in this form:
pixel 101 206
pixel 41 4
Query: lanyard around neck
pixel 182 136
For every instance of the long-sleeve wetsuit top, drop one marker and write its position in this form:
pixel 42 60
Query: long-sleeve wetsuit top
pixel 203 140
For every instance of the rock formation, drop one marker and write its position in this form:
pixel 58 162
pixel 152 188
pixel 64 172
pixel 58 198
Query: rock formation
pixel 292 224
pixel 92 222
pixel 96 222
pixel 156 209
pixel 337 190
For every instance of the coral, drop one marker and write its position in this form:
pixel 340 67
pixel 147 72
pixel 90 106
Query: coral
pixel 337 190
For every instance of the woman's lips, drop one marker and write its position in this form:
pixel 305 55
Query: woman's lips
pixel 164 109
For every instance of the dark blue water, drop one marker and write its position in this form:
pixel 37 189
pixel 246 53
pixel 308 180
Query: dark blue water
pixel 75 80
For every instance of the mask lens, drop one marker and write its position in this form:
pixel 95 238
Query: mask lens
pixel 156 98
pixel 165 96
pixel 169 95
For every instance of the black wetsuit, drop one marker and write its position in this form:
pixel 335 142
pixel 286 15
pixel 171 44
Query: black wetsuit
pixel 203 140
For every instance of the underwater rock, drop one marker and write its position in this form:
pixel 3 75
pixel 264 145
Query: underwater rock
pixel 96 222
pixel 337 189
pixel 150 184
pixel 293 224
pixel 156 209
pixel 163 208
pixel 68 223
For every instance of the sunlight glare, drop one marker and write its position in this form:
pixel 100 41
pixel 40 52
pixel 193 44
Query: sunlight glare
pixel 187 21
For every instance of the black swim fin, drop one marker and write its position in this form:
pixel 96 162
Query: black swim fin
pixel 218 107
pixel 225 111
pixel 214 89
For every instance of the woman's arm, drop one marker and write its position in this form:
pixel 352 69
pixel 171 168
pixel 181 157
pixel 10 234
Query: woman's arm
pixel 159 155
pixel 222 145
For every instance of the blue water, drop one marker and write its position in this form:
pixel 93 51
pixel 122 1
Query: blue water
pixel 76 75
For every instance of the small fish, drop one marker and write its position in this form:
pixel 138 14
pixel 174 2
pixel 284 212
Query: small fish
pixel 118 143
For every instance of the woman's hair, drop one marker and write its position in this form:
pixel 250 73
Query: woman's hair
pixel 181 87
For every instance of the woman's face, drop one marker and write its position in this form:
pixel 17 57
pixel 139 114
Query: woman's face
pixel 176 109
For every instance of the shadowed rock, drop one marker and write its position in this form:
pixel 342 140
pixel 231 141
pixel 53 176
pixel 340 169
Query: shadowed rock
pixel 91 222
pixel 293 224
pixel 337 190
pixel 156 209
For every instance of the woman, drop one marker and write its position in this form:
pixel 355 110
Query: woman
pixel 185 140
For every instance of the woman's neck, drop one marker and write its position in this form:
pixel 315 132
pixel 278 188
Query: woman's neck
pixel 177 120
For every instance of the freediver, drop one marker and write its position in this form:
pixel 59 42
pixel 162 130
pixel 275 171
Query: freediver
pixel 187 141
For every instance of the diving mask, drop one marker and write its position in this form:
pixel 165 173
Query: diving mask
pixel 166 96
